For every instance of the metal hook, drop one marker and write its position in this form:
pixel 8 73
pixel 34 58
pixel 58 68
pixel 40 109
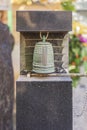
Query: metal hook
pixel 42 36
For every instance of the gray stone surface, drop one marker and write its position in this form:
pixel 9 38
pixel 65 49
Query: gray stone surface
pixel 6 78
pixel 52 21
pixel 44 103
pixel 80 105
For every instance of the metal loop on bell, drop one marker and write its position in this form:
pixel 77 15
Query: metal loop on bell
pixel 45 36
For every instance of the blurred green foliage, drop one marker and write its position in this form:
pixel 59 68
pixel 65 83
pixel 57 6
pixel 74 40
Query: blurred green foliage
pixel 68 5
pixel 77 56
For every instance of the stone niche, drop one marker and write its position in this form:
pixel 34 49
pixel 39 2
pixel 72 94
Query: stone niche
pixel 44 103
pixel 31 23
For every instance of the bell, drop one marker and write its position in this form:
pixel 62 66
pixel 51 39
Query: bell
pixel 43 57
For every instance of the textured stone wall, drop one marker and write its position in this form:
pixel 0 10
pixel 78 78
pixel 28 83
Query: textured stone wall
pixel 6 78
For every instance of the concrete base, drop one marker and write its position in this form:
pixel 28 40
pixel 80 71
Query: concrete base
pixel 44 103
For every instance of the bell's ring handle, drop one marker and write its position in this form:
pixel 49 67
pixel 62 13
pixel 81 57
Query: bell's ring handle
pixel 45 36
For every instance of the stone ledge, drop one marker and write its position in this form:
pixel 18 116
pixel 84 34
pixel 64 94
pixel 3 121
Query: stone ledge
pixel 52 21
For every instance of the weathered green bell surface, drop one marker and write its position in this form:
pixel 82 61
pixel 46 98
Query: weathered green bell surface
pixel 43 57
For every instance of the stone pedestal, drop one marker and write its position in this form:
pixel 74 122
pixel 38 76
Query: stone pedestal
pixel 44 103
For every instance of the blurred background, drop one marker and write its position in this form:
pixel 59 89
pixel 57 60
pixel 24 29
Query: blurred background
pixel 77 51
pixel 77 45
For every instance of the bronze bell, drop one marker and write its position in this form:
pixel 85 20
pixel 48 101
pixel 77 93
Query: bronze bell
pixel 43 57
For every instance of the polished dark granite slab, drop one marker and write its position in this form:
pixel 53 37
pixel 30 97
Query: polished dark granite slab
pixel 44 103
pixel 52 21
